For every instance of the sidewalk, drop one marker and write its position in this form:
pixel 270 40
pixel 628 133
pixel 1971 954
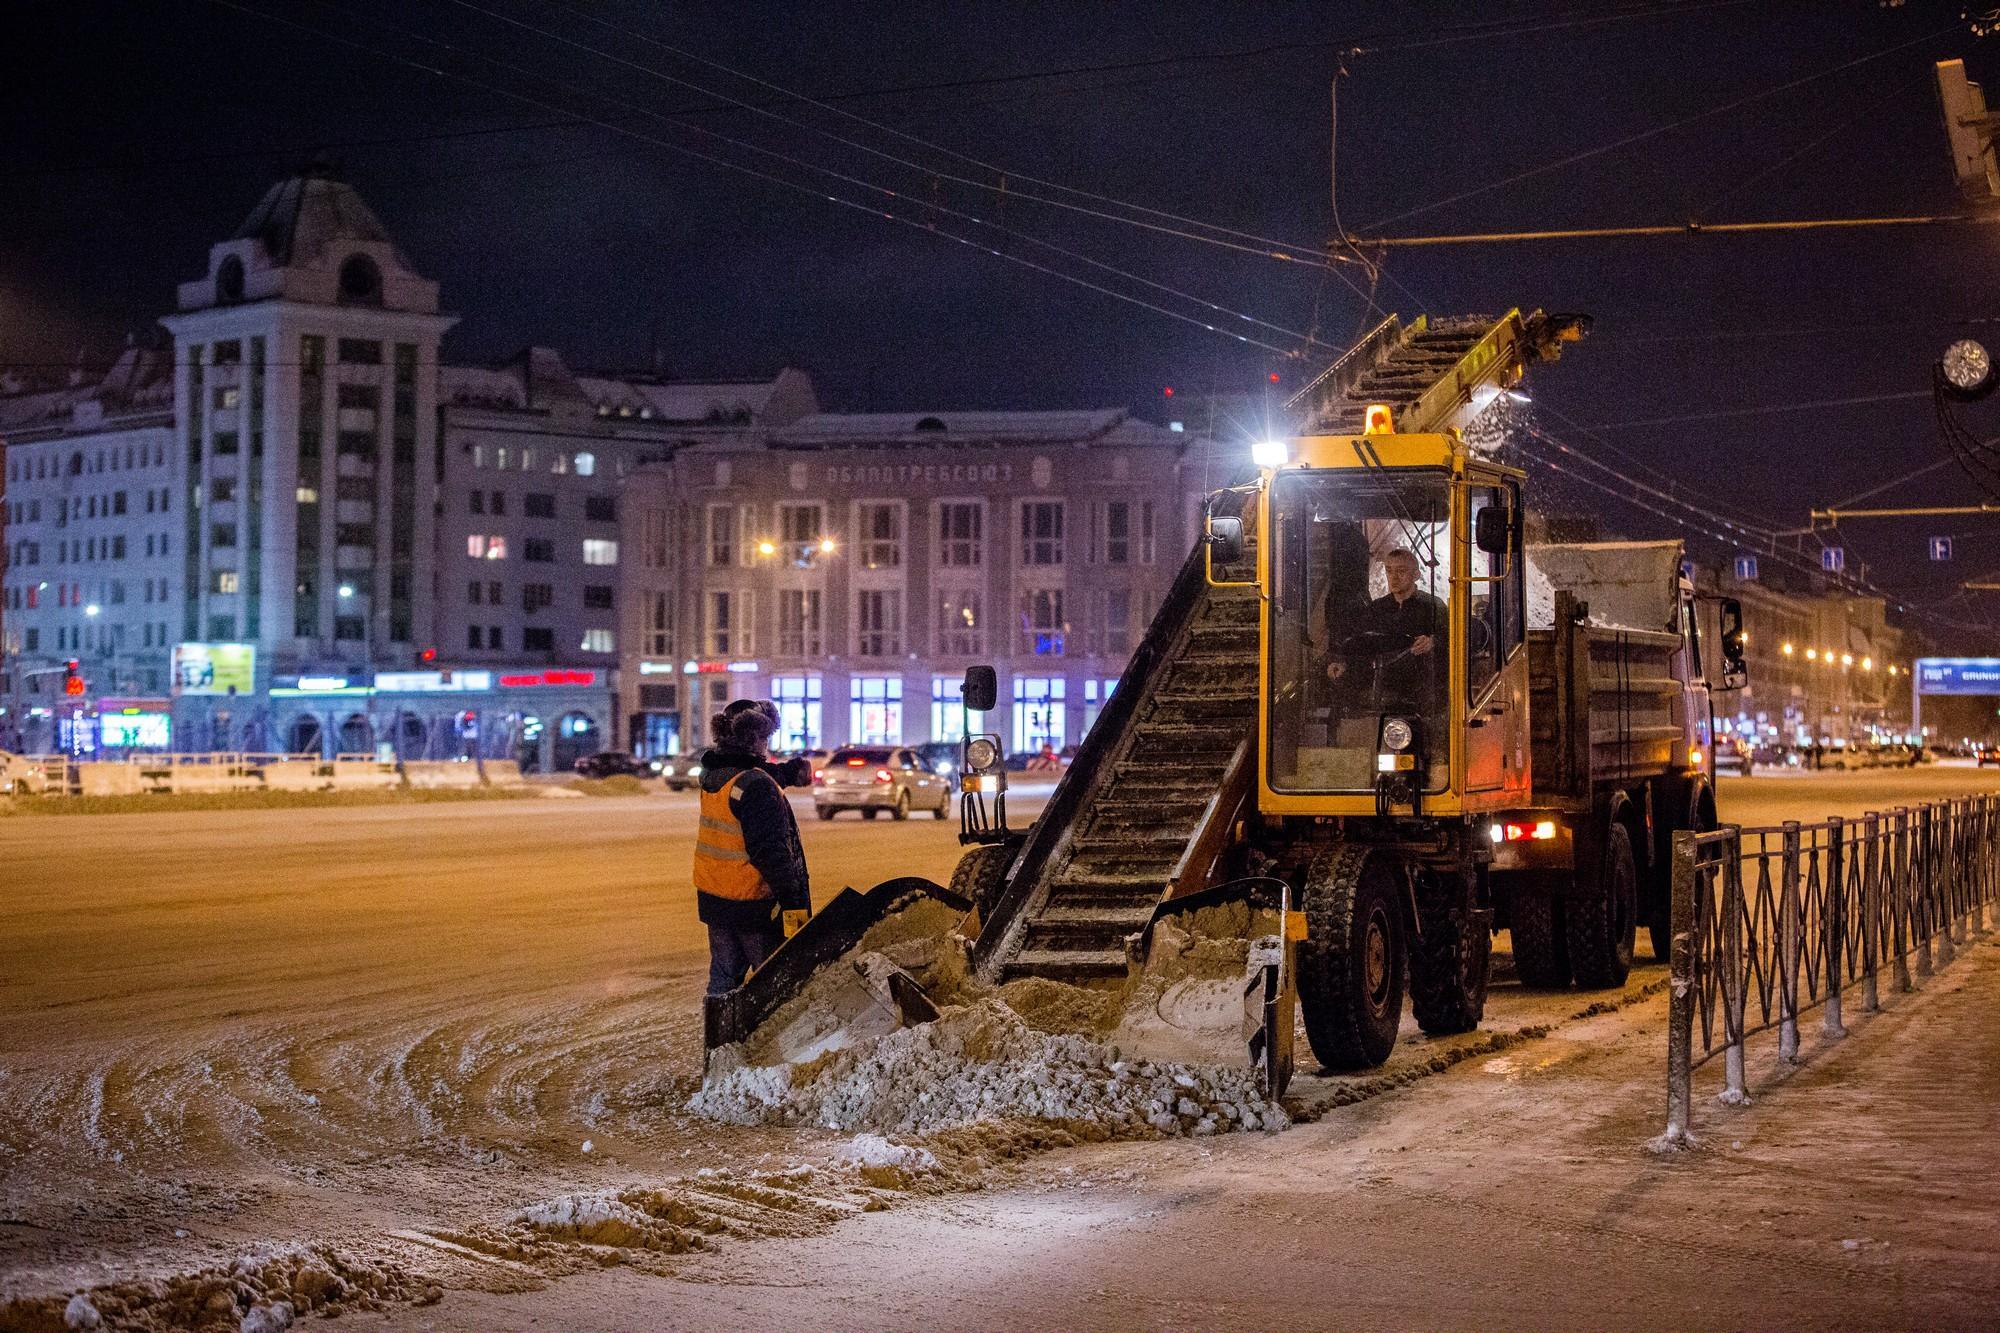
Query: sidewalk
pixel 1861 1189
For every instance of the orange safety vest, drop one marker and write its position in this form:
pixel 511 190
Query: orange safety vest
pixel 722 865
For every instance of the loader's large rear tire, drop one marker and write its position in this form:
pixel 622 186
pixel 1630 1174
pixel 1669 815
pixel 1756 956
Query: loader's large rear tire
pixel 1353 962
pixel 980 873
pixel 1541 944
pixel 1603 916
pixel 1448 962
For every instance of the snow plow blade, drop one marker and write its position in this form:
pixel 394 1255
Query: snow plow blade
pixel 881 998
pixel 1212 982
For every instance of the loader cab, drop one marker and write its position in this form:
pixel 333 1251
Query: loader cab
pixel 1392 663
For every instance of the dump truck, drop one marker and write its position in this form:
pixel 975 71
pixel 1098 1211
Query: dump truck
pixel 1365 784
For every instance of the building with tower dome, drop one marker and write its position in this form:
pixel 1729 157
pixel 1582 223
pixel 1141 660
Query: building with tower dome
pixel 262 538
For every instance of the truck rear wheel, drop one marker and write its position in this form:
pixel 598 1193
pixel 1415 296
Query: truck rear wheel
pixel 1353 962
pixel 1541 944
pixel 980 873
pixel 1603 916
pixel 1448 962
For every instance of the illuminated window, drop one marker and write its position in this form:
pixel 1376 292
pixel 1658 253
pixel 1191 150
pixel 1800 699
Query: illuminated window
pixel 586 465
pixel 599 641
pixel 597 551
pixel 875 710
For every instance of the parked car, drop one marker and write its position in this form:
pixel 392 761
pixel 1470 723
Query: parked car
pixel 940 757
pixel 681 773
pixel 1988 754
pixel 874 778
pixel 615 764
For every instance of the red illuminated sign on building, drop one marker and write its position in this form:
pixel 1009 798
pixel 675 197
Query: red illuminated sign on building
pixel 549 678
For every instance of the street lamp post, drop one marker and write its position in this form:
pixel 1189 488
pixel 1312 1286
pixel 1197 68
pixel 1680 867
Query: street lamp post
pixel 347 595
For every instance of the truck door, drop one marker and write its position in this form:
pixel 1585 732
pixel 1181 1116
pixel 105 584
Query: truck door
pixel 1496 663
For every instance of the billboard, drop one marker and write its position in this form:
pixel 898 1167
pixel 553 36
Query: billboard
pixel 1958 675
pixel 215 668
pixel 134 730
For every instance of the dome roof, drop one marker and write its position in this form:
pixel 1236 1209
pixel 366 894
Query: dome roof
pixel 298 218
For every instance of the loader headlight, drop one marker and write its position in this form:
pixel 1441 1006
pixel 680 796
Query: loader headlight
pixel 1967 369
pixel 981 754
pixel 1396 735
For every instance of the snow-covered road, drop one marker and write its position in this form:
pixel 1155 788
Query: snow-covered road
pixel 227 1029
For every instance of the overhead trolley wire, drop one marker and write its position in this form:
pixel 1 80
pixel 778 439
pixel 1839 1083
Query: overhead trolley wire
pixel 742 169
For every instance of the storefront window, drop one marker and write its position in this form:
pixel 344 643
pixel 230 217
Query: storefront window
pixel 1039 711
pixel 798 700
pixel 947 708
pixel 875 710
pixel 1096 694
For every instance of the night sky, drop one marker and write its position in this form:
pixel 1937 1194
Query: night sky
pixel 139 133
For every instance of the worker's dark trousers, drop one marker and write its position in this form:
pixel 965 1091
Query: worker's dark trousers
pixel 733 951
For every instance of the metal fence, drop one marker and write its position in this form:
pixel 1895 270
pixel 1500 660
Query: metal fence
pixel 1769 923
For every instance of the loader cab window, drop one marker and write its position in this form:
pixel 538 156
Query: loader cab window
pixel 1360 624
pixel 1494 618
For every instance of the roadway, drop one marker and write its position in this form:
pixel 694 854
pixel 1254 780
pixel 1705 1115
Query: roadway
pixel 222 1029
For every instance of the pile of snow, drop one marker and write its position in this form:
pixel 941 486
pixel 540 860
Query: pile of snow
pixel 981 1062
pixel 872 1150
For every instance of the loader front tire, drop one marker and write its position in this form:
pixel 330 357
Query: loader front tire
pixel 1353 963
pixel 980 875
pixel 1448 963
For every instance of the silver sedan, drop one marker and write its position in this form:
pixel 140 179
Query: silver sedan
pixel 874 778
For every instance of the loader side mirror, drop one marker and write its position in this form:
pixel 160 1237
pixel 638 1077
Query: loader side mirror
pixel 1493 530
pixel 1735 670
pixel 981 690
pixel 1225 540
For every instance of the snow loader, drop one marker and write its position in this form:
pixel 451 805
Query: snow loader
pixel 1246 835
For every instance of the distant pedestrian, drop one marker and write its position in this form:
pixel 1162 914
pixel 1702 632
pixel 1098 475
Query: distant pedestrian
pixel 751 887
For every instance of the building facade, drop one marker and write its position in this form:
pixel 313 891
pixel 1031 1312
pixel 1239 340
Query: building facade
pixel 297 529
pixel 851 567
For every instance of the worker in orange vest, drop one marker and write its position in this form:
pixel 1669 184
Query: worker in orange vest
pixel 751 887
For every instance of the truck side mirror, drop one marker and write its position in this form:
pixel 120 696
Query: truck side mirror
pixel 1493 530
pixel 1225 540
pixel 981 689
pixel 1735 670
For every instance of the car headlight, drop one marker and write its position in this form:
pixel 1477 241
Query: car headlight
pixel 694 770
pixel 666 770
pixel 981 754
pixel 1396 735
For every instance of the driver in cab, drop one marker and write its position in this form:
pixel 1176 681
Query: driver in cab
pixel 1408 625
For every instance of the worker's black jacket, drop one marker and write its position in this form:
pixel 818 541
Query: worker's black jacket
pixel 770 837
pixel 1408 680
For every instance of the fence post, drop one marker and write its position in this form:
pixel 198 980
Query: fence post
pixel 1833 924
pixel 1940 882
pixel 1680 994
pixel 1982 859
pixel 1735 1000
pixel 1791 941
pixel 1871 910
pixel 1920 878
pixel 1899 902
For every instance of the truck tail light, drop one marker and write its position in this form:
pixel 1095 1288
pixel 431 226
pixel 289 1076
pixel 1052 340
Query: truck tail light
pixel 1540 831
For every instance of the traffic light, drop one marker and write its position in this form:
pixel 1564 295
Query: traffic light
pixel 72 682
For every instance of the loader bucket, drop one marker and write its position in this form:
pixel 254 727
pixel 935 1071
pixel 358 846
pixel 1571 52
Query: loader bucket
pixel 1212 983
pixel 882 995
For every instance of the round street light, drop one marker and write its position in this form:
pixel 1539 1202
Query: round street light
pixel 1967 370
pixel 347 590
pixel 92 609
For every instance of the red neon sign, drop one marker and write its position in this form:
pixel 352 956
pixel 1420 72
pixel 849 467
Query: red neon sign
pixel 549 678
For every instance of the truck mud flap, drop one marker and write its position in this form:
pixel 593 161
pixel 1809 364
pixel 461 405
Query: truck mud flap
pixel 1202 998
pixel 830 934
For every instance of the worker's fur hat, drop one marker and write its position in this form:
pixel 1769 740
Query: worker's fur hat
pixel 746 722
